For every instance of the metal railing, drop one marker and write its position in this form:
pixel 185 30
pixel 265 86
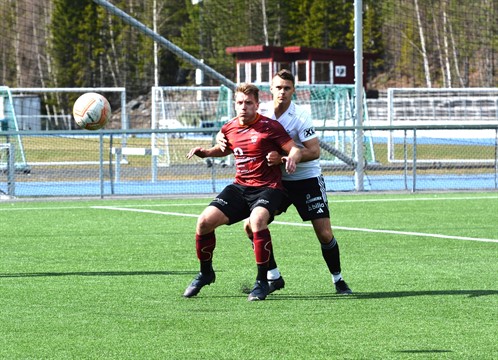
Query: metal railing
pixel 84 163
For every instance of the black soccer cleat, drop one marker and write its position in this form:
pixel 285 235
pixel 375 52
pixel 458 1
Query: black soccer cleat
pixel 276 284
pixel 198 283
pixel 342 288
pixel 260 290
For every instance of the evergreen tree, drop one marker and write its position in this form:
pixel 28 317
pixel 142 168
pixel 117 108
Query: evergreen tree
pixel 320 23
pixel 65 34
pixel 172 16
pixel 215 25
pixel 373 40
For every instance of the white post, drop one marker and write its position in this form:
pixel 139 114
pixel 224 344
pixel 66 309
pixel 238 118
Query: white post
pixel 11 172
pixel 156 50
pixel 358 51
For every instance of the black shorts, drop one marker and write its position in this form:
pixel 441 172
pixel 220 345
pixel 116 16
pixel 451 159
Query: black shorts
pixel 309 196
pixel 237 201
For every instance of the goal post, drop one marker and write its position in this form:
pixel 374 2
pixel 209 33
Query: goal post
pixel 12 144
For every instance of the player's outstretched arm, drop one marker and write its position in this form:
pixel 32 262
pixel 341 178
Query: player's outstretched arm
pixel 215 151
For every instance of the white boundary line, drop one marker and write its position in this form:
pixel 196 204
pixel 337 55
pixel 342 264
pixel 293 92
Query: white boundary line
pixel 409 233
pixel 144 211
pixel 333 201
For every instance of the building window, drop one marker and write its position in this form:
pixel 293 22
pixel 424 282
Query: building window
pixel 322 72
pixel 254 73
pixel 283 65
pixel 241 73
pixel 265 72
pixel 302 72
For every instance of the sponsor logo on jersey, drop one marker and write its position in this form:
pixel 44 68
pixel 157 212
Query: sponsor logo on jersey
pixel 254 138
pixel 309 132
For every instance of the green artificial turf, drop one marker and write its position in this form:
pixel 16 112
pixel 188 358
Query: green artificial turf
pixel 104 279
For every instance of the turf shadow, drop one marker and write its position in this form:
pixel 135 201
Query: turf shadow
pixel 385 295
pixel 428 351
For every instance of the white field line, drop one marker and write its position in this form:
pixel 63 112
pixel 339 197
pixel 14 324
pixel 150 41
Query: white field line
pixel 408 233
pixel 144 211
pixel 332 200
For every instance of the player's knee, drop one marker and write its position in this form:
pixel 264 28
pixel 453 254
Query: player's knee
pixel 259 219
pixel 324 236
pixel 248 230
pixel 204 224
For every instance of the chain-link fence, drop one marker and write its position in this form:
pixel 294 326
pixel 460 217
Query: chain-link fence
pixel 117 162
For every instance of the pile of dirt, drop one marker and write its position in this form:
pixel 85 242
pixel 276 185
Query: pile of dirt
pixel 138 111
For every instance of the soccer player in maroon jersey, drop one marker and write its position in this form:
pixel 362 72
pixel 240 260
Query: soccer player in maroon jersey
pixel 256 192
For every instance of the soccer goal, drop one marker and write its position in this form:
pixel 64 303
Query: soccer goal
pixel 429 106
pixel 53 112
pixel 10 144
pixel 205 107
pixel 210 107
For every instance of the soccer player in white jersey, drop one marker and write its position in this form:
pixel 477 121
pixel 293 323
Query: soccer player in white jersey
pixel 306 186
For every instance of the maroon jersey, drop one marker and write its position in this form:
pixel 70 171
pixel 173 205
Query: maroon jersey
pixel 250 144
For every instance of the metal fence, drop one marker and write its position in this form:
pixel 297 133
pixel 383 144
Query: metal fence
pixel 123 163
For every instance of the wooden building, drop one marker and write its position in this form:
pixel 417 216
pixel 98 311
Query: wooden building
pixel 257 64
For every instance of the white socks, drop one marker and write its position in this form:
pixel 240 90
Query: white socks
pixel 273 274
pixel 336 277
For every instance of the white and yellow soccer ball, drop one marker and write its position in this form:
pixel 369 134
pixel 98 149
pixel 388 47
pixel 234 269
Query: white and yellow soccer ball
pixel 91 111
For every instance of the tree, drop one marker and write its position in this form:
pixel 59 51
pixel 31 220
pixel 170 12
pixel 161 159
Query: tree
pixel 320 23
pixel 74 42
pixel 215 25
pixel 423 49
pixel 7 51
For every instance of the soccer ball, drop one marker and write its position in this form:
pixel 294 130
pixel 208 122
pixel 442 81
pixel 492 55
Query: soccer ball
pixel 91 111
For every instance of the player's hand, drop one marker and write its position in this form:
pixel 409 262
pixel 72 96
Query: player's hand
pixel 290 164
pixel 273 158
pixel 221 141
pixel 199 151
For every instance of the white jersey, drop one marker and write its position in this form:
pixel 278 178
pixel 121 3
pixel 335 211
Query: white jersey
pixel 297 121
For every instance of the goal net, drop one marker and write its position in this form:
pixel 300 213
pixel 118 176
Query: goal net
pixel 429 106
pixel 204 107
pixel 210 107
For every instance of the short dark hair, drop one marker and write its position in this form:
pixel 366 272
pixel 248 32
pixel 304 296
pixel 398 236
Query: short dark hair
pixel 285 75
pixel 248 89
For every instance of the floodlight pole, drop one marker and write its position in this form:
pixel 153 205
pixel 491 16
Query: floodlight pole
pixel 358 70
